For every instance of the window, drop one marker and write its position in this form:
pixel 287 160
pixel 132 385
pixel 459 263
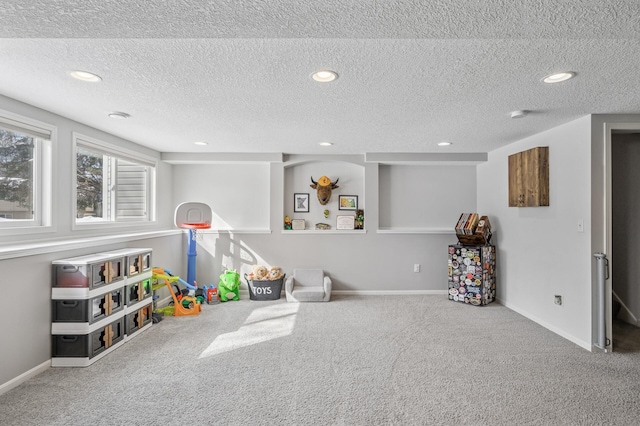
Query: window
pixel 25 172
pixel 112 185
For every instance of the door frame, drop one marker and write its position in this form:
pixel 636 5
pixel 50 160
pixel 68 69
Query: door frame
pixel 609 129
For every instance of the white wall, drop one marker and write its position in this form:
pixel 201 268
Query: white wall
pixel 238 194
pixel 540 251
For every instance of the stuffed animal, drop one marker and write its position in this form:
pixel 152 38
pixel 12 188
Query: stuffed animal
pixel 229 286
pixel 275 273
pixel 260 272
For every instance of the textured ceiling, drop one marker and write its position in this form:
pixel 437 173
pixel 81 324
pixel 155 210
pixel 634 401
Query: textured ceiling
pixel 236 73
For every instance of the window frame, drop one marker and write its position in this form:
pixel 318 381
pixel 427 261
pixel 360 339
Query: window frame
pixel 43 174
pixel 108 149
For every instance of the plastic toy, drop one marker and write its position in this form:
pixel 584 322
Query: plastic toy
pixel 229 286
pixel 189 290
pixel 187 305
pixel 194 217
pixel 210 293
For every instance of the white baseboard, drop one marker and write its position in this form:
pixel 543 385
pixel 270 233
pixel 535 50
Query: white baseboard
pixel 389 292
pixel 244 293
pixel 6 387
pixel 556 330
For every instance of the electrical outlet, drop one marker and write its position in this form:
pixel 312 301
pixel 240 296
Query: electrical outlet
pixel 557 299
pixel 416 267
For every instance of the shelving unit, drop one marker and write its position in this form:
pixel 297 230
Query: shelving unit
pixel 326 231
pixel 99 302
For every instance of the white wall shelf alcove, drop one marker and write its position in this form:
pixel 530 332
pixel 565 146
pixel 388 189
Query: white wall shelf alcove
pixel 323 231
pixel 298 171
pixel 436 231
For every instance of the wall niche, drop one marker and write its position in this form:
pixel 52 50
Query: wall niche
pixel 297 180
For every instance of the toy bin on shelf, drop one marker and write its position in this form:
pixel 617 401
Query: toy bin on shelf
pixel 90 271
pixel 138 320
pixel 80 349
pixel 138 291
pixel 136 261
pixel 138 312
pixel 264 289
pixel 87 310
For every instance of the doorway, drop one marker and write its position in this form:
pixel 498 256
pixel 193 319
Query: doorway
pixel 624 241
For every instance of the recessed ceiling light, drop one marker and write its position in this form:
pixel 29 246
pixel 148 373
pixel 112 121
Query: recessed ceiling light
pixel 444 143
pixel 85 76
pixel 558 77
pixel 324 76
pixel 325 144
pixel 201 143
pixel 119 115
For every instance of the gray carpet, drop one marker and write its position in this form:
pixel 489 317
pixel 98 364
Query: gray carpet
pixel 357 360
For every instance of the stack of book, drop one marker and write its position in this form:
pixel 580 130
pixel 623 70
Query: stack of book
pixel 473 229
pixel 467 224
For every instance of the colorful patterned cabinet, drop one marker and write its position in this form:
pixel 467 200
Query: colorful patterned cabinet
pixel 472 274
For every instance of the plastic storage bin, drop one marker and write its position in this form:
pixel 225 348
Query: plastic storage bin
pixel 90 271
pixel 137 261
pixel 87 310
pixel 138 319
pixel 138 291
pixel 87 345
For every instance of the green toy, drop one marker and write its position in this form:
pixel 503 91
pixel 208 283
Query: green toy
pixel 229 286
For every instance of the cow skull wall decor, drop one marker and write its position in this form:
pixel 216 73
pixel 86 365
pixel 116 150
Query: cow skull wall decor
pixel 323 187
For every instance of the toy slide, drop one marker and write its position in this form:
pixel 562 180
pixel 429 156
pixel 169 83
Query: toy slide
pixel 188 305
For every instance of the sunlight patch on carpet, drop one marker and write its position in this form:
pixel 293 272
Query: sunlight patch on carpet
pixel 262 325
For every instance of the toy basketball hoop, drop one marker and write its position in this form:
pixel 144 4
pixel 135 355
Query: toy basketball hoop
pixel 193 229
pixel 194 217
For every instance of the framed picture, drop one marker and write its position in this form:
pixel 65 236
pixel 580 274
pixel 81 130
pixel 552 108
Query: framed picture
pixel 345 222
pixel 348 202
pixel 301 202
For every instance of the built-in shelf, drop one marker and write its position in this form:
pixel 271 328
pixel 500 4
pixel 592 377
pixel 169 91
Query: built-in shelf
pixel 324 231
pixel 234 231
pixel 443 231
